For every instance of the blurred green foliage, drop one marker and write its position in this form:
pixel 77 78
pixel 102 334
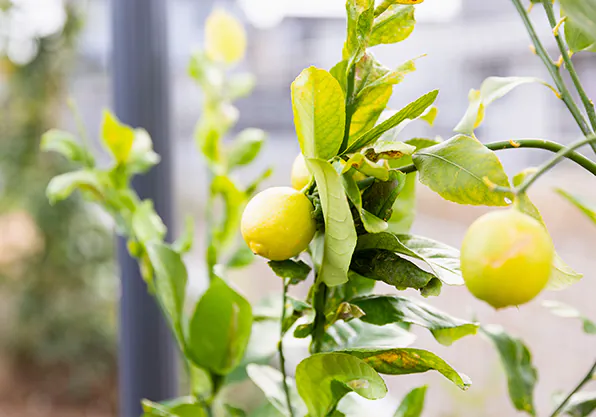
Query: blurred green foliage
pixel 56 267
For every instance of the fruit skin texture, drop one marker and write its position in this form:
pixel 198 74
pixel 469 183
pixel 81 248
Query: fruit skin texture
pixel 300 173
pixel 506 258
pixel 278 223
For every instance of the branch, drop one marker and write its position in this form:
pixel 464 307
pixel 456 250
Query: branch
pixel 579 386
pixel 280 349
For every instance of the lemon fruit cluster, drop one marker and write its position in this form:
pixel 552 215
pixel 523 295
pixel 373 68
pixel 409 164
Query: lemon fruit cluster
pixel 506 258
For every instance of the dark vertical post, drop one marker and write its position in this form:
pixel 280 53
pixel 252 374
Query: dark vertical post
pixel 147 355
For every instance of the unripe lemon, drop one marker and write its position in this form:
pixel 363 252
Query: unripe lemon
pixel 506 258
pixel 300 173
pixel 278 223
pixel 225 38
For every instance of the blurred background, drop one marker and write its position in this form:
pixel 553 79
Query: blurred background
pixel 58 279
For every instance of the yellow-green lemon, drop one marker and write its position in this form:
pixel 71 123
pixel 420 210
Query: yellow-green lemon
pixel 278 223
pixel 506 258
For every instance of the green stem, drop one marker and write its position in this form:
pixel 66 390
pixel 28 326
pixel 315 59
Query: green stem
pixel 589 106
pixel 280 349
pixel 547 145
pixel 349 107
pixel 553 70
pixel 320 299
pixel 579 386
pixel 552 162
pixel 211 251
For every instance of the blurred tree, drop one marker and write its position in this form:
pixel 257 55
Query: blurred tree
pixel 56 269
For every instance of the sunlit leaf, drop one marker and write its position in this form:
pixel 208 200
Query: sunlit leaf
pixel 413 403
pixel 462 170
pixel 340 235
pixel 395 24
pixel 319 113
pixel 323 379
pixel 385 309
pixel 62 186
pixel 517 361
pixel 66 144
pixel 367 167
pixel 270 381
pixel 117 137
pixel 386 3
pixel 360 20
pixel 577 39
pixel 582 13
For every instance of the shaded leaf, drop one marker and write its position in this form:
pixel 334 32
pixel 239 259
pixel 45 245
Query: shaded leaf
pixel 62 186
pixel 381 195
pixel 517 361
pixel 340 235
pixel 371 223
pixel 219 329
pixel 567 311
pixel 413 403
pixel 66 144
pixel 409 361
pixel 270 381
pixel 357 334
pixel 323 379
pixel 295 271
pixel 246 147
pixel 345 312
pixel 461 170
pixel 319 113
pixel 385 309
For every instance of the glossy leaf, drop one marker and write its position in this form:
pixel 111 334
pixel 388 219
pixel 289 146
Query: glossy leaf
pixel 146 224
pixel 461 170
pixel 493 88
pixel 295 271
pixel 411 111
pixel 563 310
pixel 319 113
pixel 169 281
pixel 581 404
pixel 582 13
pixel 394 25
pixel 340 235
pixel 66 144
pixel 357 334
pixel 385 309
pixel 62 186
pixel 586 207
pixel 220 328
pixel 409 361
pixel 442 259
pixel 562 275
pixel 270 381
pixel 117 137
pixel 246 147
pixel 413 403
pixel 517 361
pixel 323 379
pixel 371 223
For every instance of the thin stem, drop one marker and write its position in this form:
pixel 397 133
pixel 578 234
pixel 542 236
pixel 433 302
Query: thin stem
pixel 320 299
pixel 553 70
pixel 349 107
pixel 552 162
pixel 547 145
pixel 579 386
pixel 589 106
pixel 280 348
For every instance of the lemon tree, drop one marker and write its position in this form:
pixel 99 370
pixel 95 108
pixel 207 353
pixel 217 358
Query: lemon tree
pixel 344 225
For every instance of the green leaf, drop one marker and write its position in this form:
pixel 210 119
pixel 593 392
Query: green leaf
pixel 319 113
pixel 356 286
pixel 270 381
pixel 395 24
pixel 345 312
pixel 219 329
pixel 295 271
pixel 246 147
pixel 323 379
pixel 462 170
pixel 385 309
pixel 146 224
pixel 242 257
pixel 340 235
pixel 62 186
pixel 581 404
pixel 386 3
pixel 411 111
pixel 224 233
pixel 356 334
pixel 583 15
pixel 240 85
pixel 562 275
pixel 378 75
pixel 360 20
pixel 586 207
pixel 493 88
pixel 390 268
pixel 170 282
pixel 413 403
pixel 368 168
pixel 371 223
pixel 517 361
pixel 442 259
pixel 209 75
pixel 66 144
pixel 409 361
pixel 384 149
pixel 216 120
pixel 578 40
pixel 180 407
pixel 566 311
pixel 368 108
pixel 379 198
pixel 184 242
pixel 142 156
pixel 117 137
